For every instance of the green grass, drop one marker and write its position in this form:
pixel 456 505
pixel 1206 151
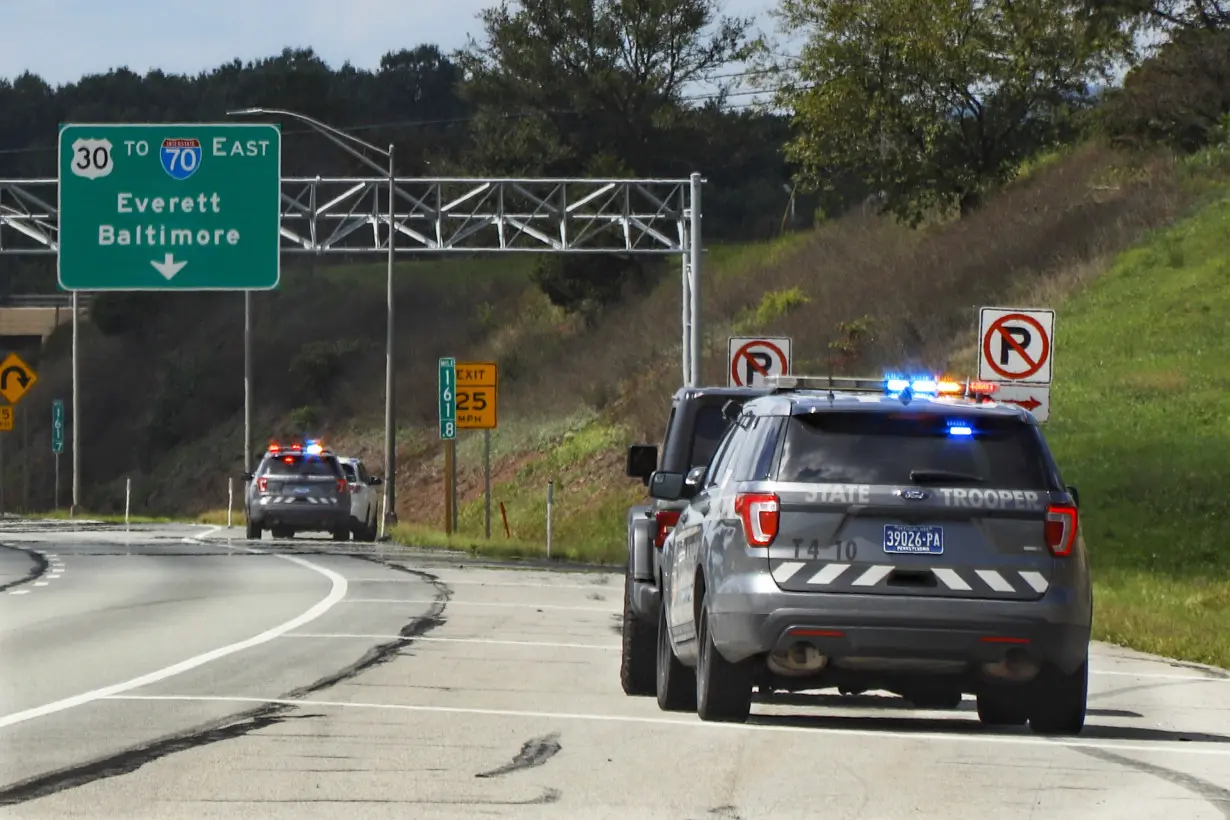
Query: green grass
pixel 106 518
pixel 1141 406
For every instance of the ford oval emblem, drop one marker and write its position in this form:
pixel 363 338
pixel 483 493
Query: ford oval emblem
pixel 914 495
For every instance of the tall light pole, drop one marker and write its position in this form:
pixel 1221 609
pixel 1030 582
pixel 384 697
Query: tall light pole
pixel 347 142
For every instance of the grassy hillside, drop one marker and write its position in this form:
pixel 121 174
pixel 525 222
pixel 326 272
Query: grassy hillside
pixel 1141 403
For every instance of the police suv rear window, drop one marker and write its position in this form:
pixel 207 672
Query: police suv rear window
pixel 288 465
pixel 707 433
pixel 885 448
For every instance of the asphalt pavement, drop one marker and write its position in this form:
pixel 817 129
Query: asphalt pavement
pixel 172 672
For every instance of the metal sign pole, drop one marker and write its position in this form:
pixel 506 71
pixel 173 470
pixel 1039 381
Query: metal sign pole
pixel 72 510
pixel 487 479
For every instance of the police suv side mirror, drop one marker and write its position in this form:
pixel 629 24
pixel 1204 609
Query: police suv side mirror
pixel 248 476
pixel 696 477
pixel 642 461
pixel 374 481
pixel 1076 496
pixel 665 486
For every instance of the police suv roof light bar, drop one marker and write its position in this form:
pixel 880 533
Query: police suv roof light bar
pixel 894 386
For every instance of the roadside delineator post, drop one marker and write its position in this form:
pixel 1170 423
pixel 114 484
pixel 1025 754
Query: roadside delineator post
pixel 550 503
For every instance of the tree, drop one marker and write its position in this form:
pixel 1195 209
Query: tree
pixel 933 101
pixel 1179 97
pixel 1209 15
pixel 557 82
pixel 591 87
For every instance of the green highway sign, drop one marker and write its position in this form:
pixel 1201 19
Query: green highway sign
pixel 448 398
pixel 170 207
pixel 57 426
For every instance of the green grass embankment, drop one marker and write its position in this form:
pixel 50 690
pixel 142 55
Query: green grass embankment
pixel 1141 425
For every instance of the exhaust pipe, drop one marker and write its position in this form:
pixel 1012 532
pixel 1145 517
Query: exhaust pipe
pixel 800 659
pixel 1017 666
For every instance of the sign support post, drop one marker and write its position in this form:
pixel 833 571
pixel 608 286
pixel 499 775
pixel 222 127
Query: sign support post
pixel 57 443
pixel 487 481
pixel 447 383
pixel 72 509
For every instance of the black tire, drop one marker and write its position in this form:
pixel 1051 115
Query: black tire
pixel 1004 706
pixel 282 532
pixel 371 530
pixel 1059 701
pixel 254 532
pixel 676 683
pixel 723 689
pixel 638 663
pixel 341 535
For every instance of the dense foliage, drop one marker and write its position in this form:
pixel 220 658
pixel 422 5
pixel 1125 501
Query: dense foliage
pixel 926 103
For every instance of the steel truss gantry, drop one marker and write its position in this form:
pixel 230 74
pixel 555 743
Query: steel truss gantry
pixel 350 215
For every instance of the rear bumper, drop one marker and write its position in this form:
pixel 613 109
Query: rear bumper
pixel 301 515
pixel 846 626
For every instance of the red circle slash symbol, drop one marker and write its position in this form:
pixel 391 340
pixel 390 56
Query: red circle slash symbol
pixel 1009 342
pixel 753 360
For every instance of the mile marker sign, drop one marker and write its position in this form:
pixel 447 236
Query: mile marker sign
pixel 170 207
pixel 753 359
pixel 1016 345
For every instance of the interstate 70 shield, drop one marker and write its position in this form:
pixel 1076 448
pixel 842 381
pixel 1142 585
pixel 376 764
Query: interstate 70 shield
pixel 180 157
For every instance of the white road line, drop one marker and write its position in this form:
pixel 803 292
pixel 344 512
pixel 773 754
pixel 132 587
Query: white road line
pixel 40 583
pixel 196 539
pixel 1198 748
pixel 18 591
pixel 447 582
pixel 455 602
pixel 336 593
pixel 1162 675
pixel 614 647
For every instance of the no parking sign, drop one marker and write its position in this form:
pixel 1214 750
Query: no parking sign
pixel 754 358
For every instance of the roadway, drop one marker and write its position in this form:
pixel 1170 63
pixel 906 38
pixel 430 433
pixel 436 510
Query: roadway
pixel 170 672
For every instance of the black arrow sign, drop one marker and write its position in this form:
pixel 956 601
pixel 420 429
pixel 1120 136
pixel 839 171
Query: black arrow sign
pixel 23 378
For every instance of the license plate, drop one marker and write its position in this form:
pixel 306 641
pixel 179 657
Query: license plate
pixel 301 490
pixel 913 540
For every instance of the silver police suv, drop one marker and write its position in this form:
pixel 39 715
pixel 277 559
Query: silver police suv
pixel 905 535
pixel 298 488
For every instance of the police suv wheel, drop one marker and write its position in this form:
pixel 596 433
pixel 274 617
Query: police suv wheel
pixel 723 689
pixel 676 682
pixel 1003 706
pixel 638 660
pixel 254 532
pixel 1059 701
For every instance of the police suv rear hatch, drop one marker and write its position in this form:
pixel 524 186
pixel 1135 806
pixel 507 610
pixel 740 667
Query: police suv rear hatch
pixel 302 478
pixel 925 500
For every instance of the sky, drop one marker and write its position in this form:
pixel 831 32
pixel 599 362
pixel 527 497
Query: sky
pixel 62 40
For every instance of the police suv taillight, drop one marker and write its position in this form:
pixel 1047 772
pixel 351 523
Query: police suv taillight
pixel 760 513
pixel 262 485
pixel 343 486
pixel 666 521
pixel 1061 523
